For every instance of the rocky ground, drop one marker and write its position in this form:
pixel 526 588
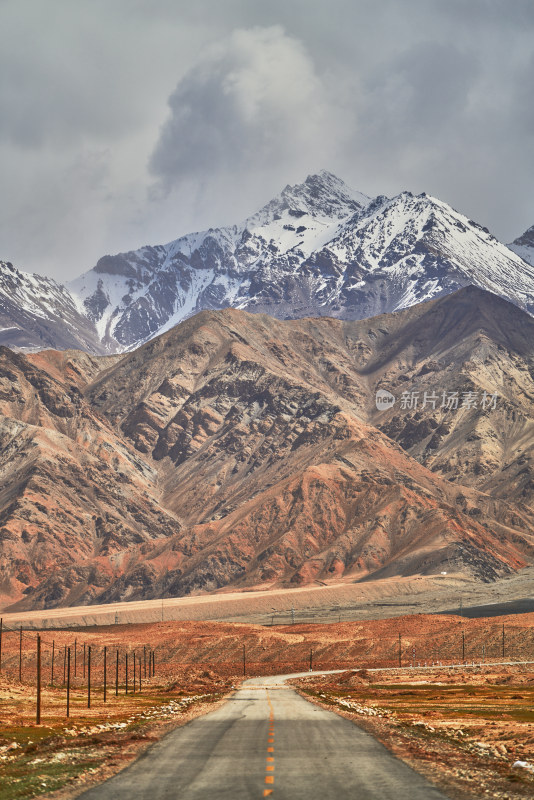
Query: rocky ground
pixel 424 639
pixel 63 757
pixel 469 730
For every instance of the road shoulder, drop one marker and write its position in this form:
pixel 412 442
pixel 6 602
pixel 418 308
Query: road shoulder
pixel 454 766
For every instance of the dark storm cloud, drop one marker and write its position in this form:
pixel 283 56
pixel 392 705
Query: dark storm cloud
pixel 422 91
pixel 63 77
pixel 131 122
pixel 523 96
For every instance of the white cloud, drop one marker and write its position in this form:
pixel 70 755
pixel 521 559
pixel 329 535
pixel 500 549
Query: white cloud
pixel 251 114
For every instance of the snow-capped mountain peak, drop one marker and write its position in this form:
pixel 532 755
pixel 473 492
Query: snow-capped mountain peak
pixel 132 296
pixel 322 194
pixel 36 313
pixel 524 245
pixel 319 248
pixel 416 247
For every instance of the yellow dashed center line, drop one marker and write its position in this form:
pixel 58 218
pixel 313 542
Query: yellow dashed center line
pixel 269 767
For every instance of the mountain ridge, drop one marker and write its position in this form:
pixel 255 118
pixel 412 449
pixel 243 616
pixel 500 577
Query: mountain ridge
pixel 292 260
pixel 238 450
pixel 524 245
pixel 38 312
pixel 317 249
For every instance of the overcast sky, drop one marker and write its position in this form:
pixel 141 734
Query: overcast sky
pixel 125 122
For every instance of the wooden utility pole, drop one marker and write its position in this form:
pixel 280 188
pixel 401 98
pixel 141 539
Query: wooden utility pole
pixel 68 681
pixel 89 677
pixel 38 714
pixel 105 671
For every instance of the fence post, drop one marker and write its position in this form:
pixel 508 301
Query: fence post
pixel 53 655
pixel 311 660
pixel 153 663
pixel 20 656
pixel 105 671
pixel 68 680
pixel 38 714
pixel 89 677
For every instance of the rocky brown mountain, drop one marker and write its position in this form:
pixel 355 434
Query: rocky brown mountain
pixel 239 450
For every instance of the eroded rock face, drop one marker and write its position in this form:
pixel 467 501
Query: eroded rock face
pixel 239 450
pixel 76 501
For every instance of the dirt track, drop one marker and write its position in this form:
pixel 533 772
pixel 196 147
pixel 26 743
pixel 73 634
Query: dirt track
pixel 322 603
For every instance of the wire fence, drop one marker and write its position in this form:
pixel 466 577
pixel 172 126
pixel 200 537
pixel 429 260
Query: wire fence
pixel 41 662
pixel 78 662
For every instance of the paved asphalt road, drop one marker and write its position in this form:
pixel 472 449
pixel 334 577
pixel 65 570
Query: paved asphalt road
pixel 267 741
